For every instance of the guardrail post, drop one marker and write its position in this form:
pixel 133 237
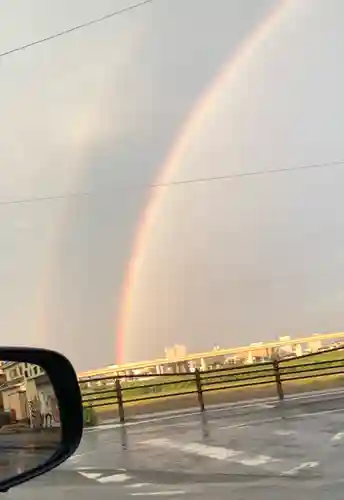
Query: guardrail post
pixel 119 400
pixel 199 389
pixel 277 374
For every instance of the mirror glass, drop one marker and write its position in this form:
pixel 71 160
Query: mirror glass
pixel 30 430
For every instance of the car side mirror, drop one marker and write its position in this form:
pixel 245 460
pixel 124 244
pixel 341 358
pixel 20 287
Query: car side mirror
pixel 41 418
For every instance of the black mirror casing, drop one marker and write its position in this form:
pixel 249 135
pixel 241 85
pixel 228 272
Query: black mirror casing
pixel 65 383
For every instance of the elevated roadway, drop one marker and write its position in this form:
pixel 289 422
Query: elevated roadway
pixel 160 363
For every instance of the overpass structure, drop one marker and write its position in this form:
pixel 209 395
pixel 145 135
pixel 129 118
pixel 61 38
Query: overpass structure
pixel 202 359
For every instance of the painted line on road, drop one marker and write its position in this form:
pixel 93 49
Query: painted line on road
pixel 105 427
pixel 75 457
pixel 295 470
pixel 217 452
pixel 252 404
pixel 138 485
pixel 282 418
pixel 251 422
pixel 90 475
pixel 114 478
pixel 338 436
pixel 193 423
pixel 119 477
pixel 86 467
pixel 159 493
pixel 282 432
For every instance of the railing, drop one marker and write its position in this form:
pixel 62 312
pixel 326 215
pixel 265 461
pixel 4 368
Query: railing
pixel 117 393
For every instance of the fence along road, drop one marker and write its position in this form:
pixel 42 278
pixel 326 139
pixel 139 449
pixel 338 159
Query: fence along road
pixel 125 396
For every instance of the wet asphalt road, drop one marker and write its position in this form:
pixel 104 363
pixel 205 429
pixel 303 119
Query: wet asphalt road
pixel 254 451
pixel 20 452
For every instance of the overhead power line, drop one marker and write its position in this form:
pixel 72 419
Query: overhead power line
pixel 254 173
pixel 195 180
pixel 67 31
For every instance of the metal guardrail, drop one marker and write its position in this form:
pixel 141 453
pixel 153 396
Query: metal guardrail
pixel 125 390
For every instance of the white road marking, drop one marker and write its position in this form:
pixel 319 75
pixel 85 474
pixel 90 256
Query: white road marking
pixel 180 425
pixel 338 436
pixel 257 460
pixel 115 478
pixel 76 457
pixel 88 467
pixel 90 475
pixel 282 432
pixel 254 403
pixel 216 452
pixel 137 485
pixel 284 418
pixel 251 422
pixel 298 468
pixel 159 493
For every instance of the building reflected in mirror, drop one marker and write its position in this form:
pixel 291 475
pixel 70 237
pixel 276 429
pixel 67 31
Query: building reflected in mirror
pixel 27 396
pixel 30 430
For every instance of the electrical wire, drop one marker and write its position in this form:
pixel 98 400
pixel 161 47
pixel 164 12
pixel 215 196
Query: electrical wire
pixel 67 31
pixel 63 196
pixel 195 180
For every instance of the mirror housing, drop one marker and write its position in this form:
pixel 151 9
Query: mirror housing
pixel 65 384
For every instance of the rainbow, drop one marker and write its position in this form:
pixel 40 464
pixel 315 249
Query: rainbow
pixel 84 128
pixel 226 77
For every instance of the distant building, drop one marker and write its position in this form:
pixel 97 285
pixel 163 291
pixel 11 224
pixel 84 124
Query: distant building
pixel 286 348
pixel 176 352
pixel 315 345
pixel 13 389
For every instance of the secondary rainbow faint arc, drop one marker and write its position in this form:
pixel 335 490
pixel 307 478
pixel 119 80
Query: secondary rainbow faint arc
pixel 227 75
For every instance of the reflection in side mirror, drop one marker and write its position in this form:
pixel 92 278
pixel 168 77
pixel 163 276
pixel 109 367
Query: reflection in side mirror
pixel 30 430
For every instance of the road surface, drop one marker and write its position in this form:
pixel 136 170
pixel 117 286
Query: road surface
pixel 260 451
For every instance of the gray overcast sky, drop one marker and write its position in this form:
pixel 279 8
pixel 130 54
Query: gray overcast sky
pixel 226 262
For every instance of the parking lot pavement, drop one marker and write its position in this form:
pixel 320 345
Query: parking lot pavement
pixel 249 452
